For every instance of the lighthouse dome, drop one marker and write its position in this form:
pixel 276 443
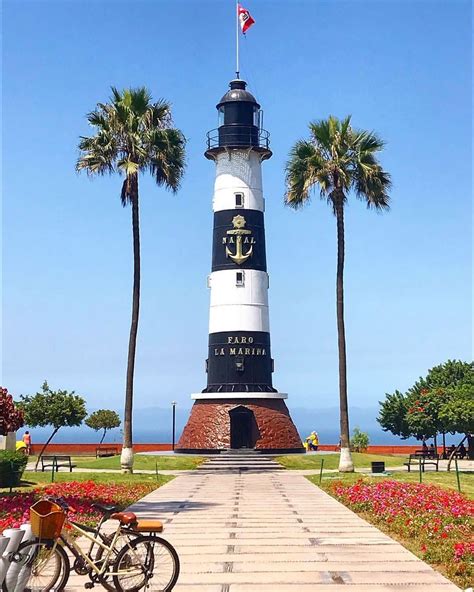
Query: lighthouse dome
pixel 239 123
pixel 238 92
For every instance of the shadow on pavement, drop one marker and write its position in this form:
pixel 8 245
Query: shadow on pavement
pixel 172 506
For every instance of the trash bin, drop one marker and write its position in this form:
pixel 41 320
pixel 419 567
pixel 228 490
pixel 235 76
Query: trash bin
pixel 378 466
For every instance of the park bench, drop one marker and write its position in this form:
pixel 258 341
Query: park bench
pixel 423 457
pixel 106 451
pixel 56 461
pixel 457 455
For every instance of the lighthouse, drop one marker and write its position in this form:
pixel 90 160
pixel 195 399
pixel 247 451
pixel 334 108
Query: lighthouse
pixel 239 408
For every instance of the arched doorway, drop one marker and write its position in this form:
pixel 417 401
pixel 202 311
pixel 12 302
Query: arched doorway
pixel 243 428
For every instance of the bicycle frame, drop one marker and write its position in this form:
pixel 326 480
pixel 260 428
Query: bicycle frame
pixel 94 536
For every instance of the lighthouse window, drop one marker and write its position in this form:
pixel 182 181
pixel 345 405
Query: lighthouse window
pixel 221 116
pixel 257 117
pixel 239 200
pixel 239 278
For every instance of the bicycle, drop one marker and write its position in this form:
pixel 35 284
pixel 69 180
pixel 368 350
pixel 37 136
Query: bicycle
pixel 131 559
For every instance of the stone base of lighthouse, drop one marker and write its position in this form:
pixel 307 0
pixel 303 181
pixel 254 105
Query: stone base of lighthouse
pixel 263 424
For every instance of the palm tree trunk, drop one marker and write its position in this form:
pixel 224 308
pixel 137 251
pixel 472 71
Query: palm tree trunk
pixel 345 460
pixel 127 449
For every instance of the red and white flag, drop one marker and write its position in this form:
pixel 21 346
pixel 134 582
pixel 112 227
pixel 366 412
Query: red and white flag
pixel 245 19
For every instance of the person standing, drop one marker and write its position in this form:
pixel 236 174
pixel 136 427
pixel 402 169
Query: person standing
pixel 424 448
pixel 27 441
pixel 313 441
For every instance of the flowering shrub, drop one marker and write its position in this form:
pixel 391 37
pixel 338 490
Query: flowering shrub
pixel 11 418
pixel 439 520
pixel 80 495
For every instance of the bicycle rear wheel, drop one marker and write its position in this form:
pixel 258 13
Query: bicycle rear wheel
pixel 126 536
pixel 41 567
pixel 147 563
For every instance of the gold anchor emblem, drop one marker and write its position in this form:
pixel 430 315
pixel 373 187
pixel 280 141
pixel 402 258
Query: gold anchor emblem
pixel 239 232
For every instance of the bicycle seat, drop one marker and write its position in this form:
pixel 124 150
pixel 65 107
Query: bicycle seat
pixel 124 517
pixel 105 509
pixel 148 526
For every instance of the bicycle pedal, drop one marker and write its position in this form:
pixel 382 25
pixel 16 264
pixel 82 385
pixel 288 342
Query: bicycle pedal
pixel 88 585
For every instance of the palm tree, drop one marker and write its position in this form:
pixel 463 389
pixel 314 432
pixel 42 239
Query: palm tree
pixel 133 136
pixel 338 159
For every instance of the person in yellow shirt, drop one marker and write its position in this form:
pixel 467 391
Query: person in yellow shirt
pixel 313 441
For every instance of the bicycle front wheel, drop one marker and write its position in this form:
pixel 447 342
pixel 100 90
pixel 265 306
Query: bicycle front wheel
pixel 147 563
pixel 39 566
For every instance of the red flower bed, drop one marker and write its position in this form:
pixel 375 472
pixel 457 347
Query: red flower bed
pixel 439 520
pixel 80 495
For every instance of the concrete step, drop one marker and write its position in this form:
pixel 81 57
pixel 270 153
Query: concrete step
pixel 255 462
pixel 239 451
pixel 244 467
pixel 230 459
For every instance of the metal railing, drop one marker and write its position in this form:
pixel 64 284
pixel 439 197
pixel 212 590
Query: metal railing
pixel 244 136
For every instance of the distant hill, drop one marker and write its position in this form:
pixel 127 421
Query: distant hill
pixel 153 424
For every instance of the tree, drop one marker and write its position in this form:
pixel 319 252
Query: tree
pixel 422 415
pixel 103 419
pixel 451 374
pixel 441 402
pixel 431 392
pixel 392 415
pixel 457 413
pixel 338 160
pixel 11 417
pixel 52 408
pixel 133 136
pixel 360 440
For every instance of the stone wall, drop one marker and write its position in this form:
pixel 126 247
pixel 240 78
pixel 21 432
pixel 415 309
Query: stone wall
pixel 208 427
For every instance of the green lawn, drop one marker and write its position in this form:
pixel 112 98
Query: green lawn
pixel 443 479
pixel 331 461
pixel 142 461
pixel 31 479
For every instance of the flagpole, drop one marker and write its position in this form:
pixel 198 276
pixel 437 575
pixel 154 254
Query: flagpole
pixel 237 71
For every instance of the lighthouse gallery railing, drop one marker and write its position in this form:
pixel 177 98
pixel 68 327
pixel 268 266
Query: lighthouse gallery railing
pixel 242 137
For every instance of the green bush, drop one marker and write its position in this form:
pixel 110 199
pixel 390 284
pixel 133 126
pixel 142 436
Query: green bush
pixel 359 440
pixel 12 465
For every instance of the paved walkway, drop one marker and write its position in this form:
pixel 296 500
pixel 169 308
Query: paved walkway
pixel 276 532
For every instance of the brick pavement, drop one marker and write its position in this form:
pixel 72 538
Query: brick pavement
pixel 276 532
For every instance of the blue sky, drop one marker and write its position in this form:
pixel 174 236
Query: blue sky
pixel 401 68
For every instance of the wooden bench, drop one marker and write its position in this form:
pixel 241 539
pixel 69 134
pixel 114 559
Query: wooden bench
pixel 56 461
pixel 457 455
pixel 425 458
pixel 106 451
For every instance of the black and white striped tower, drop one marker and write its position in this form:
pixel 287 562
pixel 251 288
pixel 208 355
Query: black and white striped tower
pixel 239 408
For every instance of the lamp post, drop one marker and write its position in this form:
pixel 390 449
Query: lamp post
pixel 173 404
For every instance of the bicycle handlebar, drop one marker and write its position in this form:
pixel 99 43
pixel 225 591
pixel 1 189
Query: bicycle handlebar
pixel 62 503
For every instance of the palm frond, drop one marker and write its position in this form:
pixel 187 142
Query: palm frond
pixel 364 141
pixel 306 167
pixel 372 186
pixel 337 159
pixel 167 157
pixel 133 134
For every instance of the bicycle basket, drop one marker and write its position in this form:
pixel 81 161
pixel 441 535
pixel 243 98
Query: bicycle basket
pixel 47 519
